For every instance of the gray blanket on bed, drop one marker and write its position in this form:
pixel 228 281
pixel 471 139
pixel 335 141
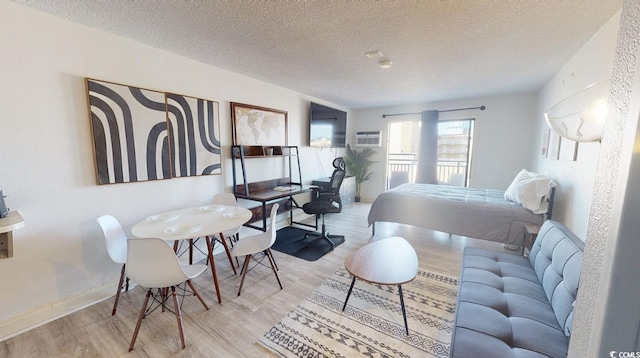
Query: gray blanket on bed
pixel 478 213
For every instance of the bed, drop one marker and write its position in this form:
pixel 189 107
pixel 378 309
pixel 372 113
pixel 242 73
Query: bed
pixel 478 213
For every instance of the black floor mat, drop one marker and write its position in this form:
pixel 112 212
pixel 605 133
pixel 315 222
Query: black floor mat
pixel 290 240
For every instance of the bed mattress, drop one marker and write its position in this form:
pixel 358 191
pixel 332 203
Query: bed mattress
pixel 472 212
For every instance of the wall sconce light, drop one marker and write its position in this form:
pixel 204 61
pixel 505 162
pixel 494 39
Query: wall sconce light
pixel 580 117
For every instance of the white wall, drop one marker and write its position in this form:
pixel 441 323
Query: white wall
pixel 502 139
pixel 609 284
pixel 592 64
pixel 47 168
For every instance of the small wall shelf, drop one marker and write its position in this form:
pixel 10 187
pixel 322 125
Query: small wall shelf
pixel 13 221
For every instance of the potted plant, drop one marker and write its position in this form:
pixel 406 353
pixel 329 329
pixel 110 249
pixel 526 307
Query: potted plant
pixel 357 163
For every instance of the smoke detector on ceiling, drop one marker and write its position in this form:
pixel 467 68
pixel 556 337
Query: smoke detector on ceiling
pixel 384 64
pixel 383 61
pixel 374 54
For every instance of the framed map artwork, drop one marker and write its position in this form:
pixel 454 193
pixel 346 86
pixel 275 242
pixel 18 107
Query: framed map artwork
pixel 253 125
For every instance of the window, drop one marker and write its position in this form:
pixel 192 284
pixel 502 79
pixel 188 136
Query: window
pixel 455 139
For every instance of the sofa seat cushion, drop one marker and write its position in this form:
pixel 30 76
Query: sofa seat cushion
pixel 528 341
pixel 499 263
pixel 508 304
pixel 508 316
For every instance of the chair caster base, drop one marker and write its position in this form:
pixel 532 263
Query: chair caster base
pixel 326 238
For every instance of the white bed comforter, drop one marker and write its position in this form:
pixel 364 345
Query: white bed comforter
pixel 478 213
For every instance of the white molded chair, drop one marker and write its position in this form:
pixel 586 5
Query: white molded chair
pixel 153 264
pixel 116 240
pixel 228 199
pixel 254 244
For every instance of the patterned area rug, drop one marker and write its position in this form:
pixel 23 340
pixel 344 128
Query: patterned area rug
pixel 372 324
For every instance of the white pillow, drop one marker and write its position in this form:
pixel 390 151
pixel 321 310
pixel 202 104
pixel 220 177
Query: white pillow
pixel 511 193
pixel 530 190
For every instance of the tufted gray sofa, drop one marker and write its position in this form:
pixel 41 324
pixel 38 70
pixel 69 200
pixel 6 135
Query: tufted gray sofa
pixel 513 306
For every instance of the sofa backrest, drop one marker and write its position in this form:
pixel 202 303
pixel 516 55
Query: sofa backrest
pixel 556 257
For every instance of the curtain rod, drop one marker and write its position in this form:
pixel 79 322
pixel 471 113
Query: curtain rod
pixel 482 108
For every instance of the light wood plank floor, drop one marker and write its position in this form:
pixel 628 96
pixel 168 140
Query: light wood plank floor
pixel 232 328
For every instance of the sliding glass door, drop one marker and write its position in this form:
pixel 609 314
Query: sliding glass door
pixel 454 151
pixel 402 154
pixel 455 138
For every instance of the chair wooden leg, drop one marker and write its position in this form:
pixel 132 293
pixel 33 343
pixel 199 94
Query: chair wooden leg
pixel 245 268
pixel 178 316
pixel 197 294
pixel 115 304
pixel 272 258
pixel 226 249
pixel 135 332
pixel 164 296
pixel 273 266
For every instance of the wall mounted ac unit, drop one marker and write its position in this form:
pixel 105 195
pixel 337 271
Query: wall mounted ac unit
pixel 369 139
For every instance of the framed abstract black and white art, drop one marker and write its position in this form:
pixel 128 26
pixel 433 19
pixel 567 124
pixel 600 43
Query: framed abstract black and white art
pixel 194 135
pixel 140 134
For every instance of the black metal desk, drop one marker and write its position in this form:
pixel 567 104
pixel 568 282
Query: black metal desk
pixel 264 193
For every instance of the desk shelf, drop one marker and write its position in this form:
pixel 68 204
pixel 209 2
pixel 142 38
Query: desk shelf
pixel 242 153
pixel 263 191
pixel 259 151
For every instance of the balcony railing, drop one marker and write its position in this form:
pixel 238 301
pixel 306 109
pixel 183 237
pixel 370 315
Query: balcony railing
pixel 403 168
pixel 452 172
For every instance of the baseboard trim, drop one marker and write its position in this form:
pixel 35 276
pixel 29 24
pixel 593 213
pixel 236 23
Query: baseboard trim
pixel 47 313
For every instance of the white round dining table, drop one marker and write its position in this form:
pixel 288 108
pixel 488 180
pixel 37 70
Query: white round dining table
pixel 190 223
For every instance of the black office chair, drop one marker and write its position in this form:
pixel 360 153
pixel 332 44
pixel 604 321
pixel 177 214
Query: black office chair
pixel 327 200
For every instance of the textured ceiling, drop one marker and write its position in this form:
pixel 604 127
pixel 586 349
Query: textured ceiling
pixel 439 49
